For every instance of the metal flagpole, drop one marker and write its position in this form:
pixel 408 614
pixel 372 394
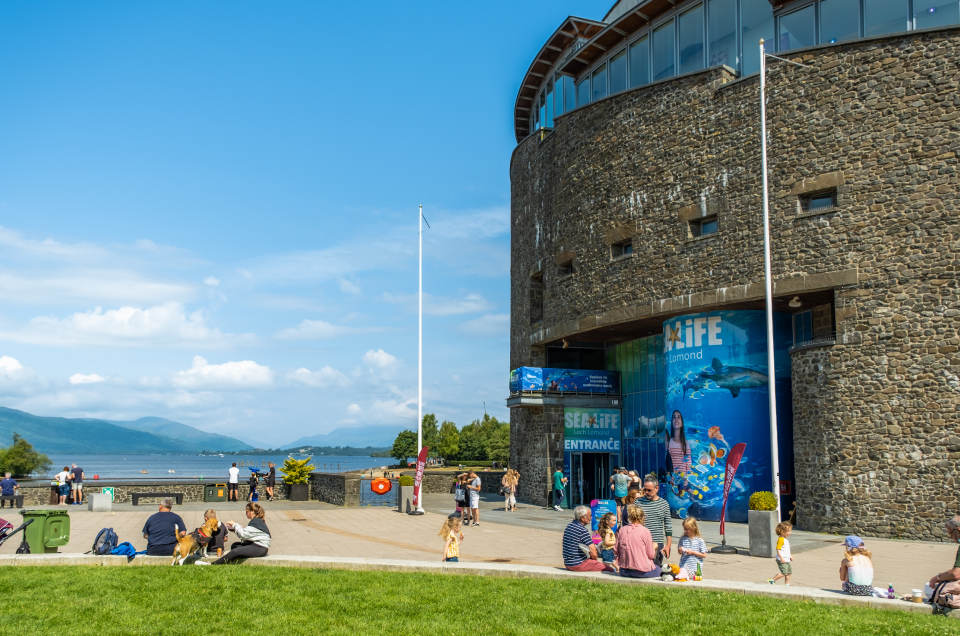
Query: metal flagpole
pixel 768 282
pixel 420 357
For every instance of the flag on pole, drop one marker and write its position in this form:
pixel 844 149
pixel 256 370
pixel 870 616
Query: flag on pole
pixel 421 464
pixel 733 462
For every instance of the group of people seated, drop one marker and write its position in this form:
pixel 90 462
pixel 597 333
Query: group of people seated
pixel 164 527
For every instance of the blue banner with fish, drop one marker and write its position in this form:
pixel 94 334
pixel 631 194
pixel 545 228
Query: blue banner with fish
pixel 717 396
pixel 538 379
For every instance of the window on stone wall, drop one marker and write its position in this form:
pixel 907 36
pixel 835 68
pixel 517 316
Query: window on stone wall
pixel 622 249
pixel 704 226
pixel 536 299
pixel 815 201
pixel 565 269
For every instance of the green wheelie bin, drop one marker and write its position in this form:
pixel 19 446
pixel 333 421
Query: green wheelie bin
pixel 50 530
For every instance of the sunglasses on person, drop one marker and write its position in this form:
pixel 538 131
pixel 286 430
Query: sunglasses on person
pixel 650 489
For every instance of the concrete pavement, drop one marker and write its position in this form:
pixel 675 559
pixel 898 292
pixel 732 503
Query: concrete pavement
pixel 528 538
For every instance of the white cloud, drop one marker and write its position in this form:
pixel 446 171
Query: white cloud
pixel 348 287
pixel 164 325
pixel 9 365
pixel 489 325
pixel 327 376
pixel 229 375
pixel 394 410
pixel 79 378
pixel 379 358
pixel 354 409
pixel 211 281
pixel 316 330
pixel 102 285
pixel 48 248
pixel 440 305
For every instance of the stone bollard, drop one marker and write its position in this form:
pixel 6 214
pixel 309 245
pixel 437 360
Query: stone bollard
pixel 99 502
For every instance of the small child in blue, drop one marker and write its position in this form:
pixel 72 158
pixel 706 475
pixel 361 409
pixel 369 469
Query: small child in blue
pixel 607 539
pixel 692 548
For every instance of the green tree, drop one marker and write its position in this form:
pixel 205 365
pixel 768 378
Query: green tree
pixel 296 471
pixel 431 434
pixel 473 446
pixel 405 446
pixel 449 444
pixel 20 459
pixel 498 445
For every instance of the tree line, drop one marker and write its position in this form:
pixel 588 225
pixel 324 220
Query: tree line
pixel 486 439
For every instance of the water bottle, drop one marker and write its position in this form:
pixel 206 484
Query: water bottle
pixel 890 593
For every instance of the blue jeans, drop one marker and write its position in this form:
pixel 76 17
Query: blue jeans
pixel 64 490
pixel 453 559
pixel 637 574
pixel 607 556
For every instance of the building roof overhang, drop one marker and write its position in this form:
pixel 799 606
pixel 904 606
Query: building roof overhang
pixel 571 30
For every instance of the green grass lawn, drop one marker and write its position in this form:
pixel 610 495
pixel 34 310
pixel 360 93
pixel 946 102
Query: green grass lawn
pixel 280 601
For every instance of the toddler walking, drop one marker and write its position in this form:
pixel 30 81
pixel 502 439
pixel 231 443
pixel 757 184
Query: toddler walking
pixel 692 548
pixel 784 558
pixel 608 540
pixel 450 532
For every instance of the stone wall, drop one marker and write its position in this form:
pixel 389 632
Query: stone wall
pixel 536 449
pixel 339 489
pixel 35 494
pixel 440 481
pixel 875 415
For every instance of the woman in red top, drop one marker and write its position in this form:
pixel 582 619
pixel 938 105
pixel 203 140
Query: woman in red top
pixel 635 548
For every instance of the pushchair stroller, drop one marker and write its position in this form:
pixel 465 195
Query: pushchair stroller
pixel 7 530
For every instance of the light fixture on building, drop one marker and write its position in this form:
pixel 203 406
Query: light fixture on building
pixel 565 344
pixel 795 302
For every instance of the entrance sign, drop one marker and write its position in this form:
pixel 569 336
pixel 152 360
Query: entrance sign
pixel 587 429
pixel 716 368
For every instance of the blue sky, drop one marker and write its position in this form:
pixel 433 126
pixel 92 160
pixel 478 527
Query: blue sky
pixel 208 210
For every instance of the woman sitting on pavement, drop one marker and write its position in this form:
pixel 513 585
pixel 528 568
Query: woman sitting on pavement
pixel 255 537
pixel 635 548
pixel 856 569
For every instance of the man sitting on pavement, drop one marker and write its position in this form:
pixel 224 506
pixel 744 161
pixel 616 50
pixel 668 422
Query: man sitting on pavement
pixel 159 530
pixel 575 535
pixel 8 488
pixel 953 574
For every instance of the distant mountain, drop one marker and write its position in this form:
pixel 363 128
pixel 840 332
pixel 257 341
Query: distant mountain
pixel 92 436
pixel 199 440
pixel 357 437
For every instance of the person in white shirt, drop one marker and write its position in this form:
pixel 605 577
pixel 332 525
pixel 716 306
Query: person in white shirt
pixel 62 478
pixel 233 482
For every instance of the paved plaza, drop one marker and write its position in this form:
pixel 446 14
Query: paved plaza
pixel 529 537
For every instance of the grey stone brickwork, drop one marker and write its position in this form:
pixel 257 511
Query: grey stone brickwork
pixel 39 494
pixel 875 415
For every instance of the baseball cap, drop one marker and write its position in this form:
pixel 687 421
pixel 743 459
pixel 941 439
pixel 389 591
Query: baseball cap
pixel 853 541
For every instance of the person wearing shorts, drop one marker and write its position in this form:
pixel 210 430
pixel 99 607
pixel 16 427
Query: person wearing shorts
pixel 473 488
pixel 77 484
pixel 233 482
pixel 620 485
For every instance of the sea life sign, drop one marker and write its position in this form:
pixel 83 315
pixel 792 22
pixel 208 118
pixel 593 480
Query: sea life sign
pixel 586 429
pixel 716 398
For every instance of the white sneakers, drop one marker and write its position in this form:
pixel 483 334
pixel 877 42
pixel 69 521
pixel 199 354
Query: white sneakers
pixel 557 508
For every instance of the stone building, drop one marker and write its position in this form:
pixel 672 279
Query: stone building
pixel 637 241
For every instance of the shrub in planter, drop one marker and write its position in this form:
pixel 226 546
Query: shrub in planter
pixel 763 500
pixel 406 480
pixel 763 518
pixel 296 475
pixel 405 500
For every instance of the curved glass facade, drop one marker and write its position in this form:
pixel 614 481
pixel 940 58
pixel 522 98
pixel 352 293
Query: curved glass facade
pixel 697 35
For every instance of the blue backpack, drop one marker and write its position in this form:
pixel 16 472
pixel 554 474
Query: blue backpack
pixel 105 542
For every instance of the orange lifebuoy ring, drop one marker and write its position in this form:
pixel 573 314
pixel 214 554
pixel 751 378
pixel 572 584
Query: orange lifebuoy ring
pixel 381 486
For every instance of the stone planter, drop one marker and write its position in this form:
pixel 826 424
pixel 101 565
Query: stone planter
pixel 763 532
pixel 299 492
pixel 405 499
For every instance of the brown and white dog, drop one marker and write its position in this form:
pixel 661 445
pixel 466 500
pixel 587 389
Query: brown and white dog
pixel 190 543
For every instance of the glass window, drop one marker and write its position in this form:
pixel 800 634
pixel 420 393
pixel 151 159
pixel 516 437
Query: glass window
pixel 618 72
pixel 690 37
pixel 665 51
pixel 885 16
pixel 583 92
pixel 558 95
pixel 535 116
pixel 542 110
pixel 640 62
pixel 756 23
pixel 549 104
pixel 569 94
pixel 722 32
pixel 935 13
pixel 839 20
pixel 797 29
pixel 599 83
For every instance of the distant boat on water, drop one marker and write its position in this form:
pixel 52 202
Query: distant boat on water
pixel 144 472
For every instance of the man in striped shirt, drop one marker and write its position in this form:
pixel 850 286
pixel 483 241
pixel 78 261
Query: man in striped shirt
pixel 575 535
pixel 657 518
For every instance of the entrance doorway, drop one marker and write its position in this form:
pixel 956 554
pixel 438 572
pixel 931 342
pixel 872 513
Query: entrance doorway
pixel 591 477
